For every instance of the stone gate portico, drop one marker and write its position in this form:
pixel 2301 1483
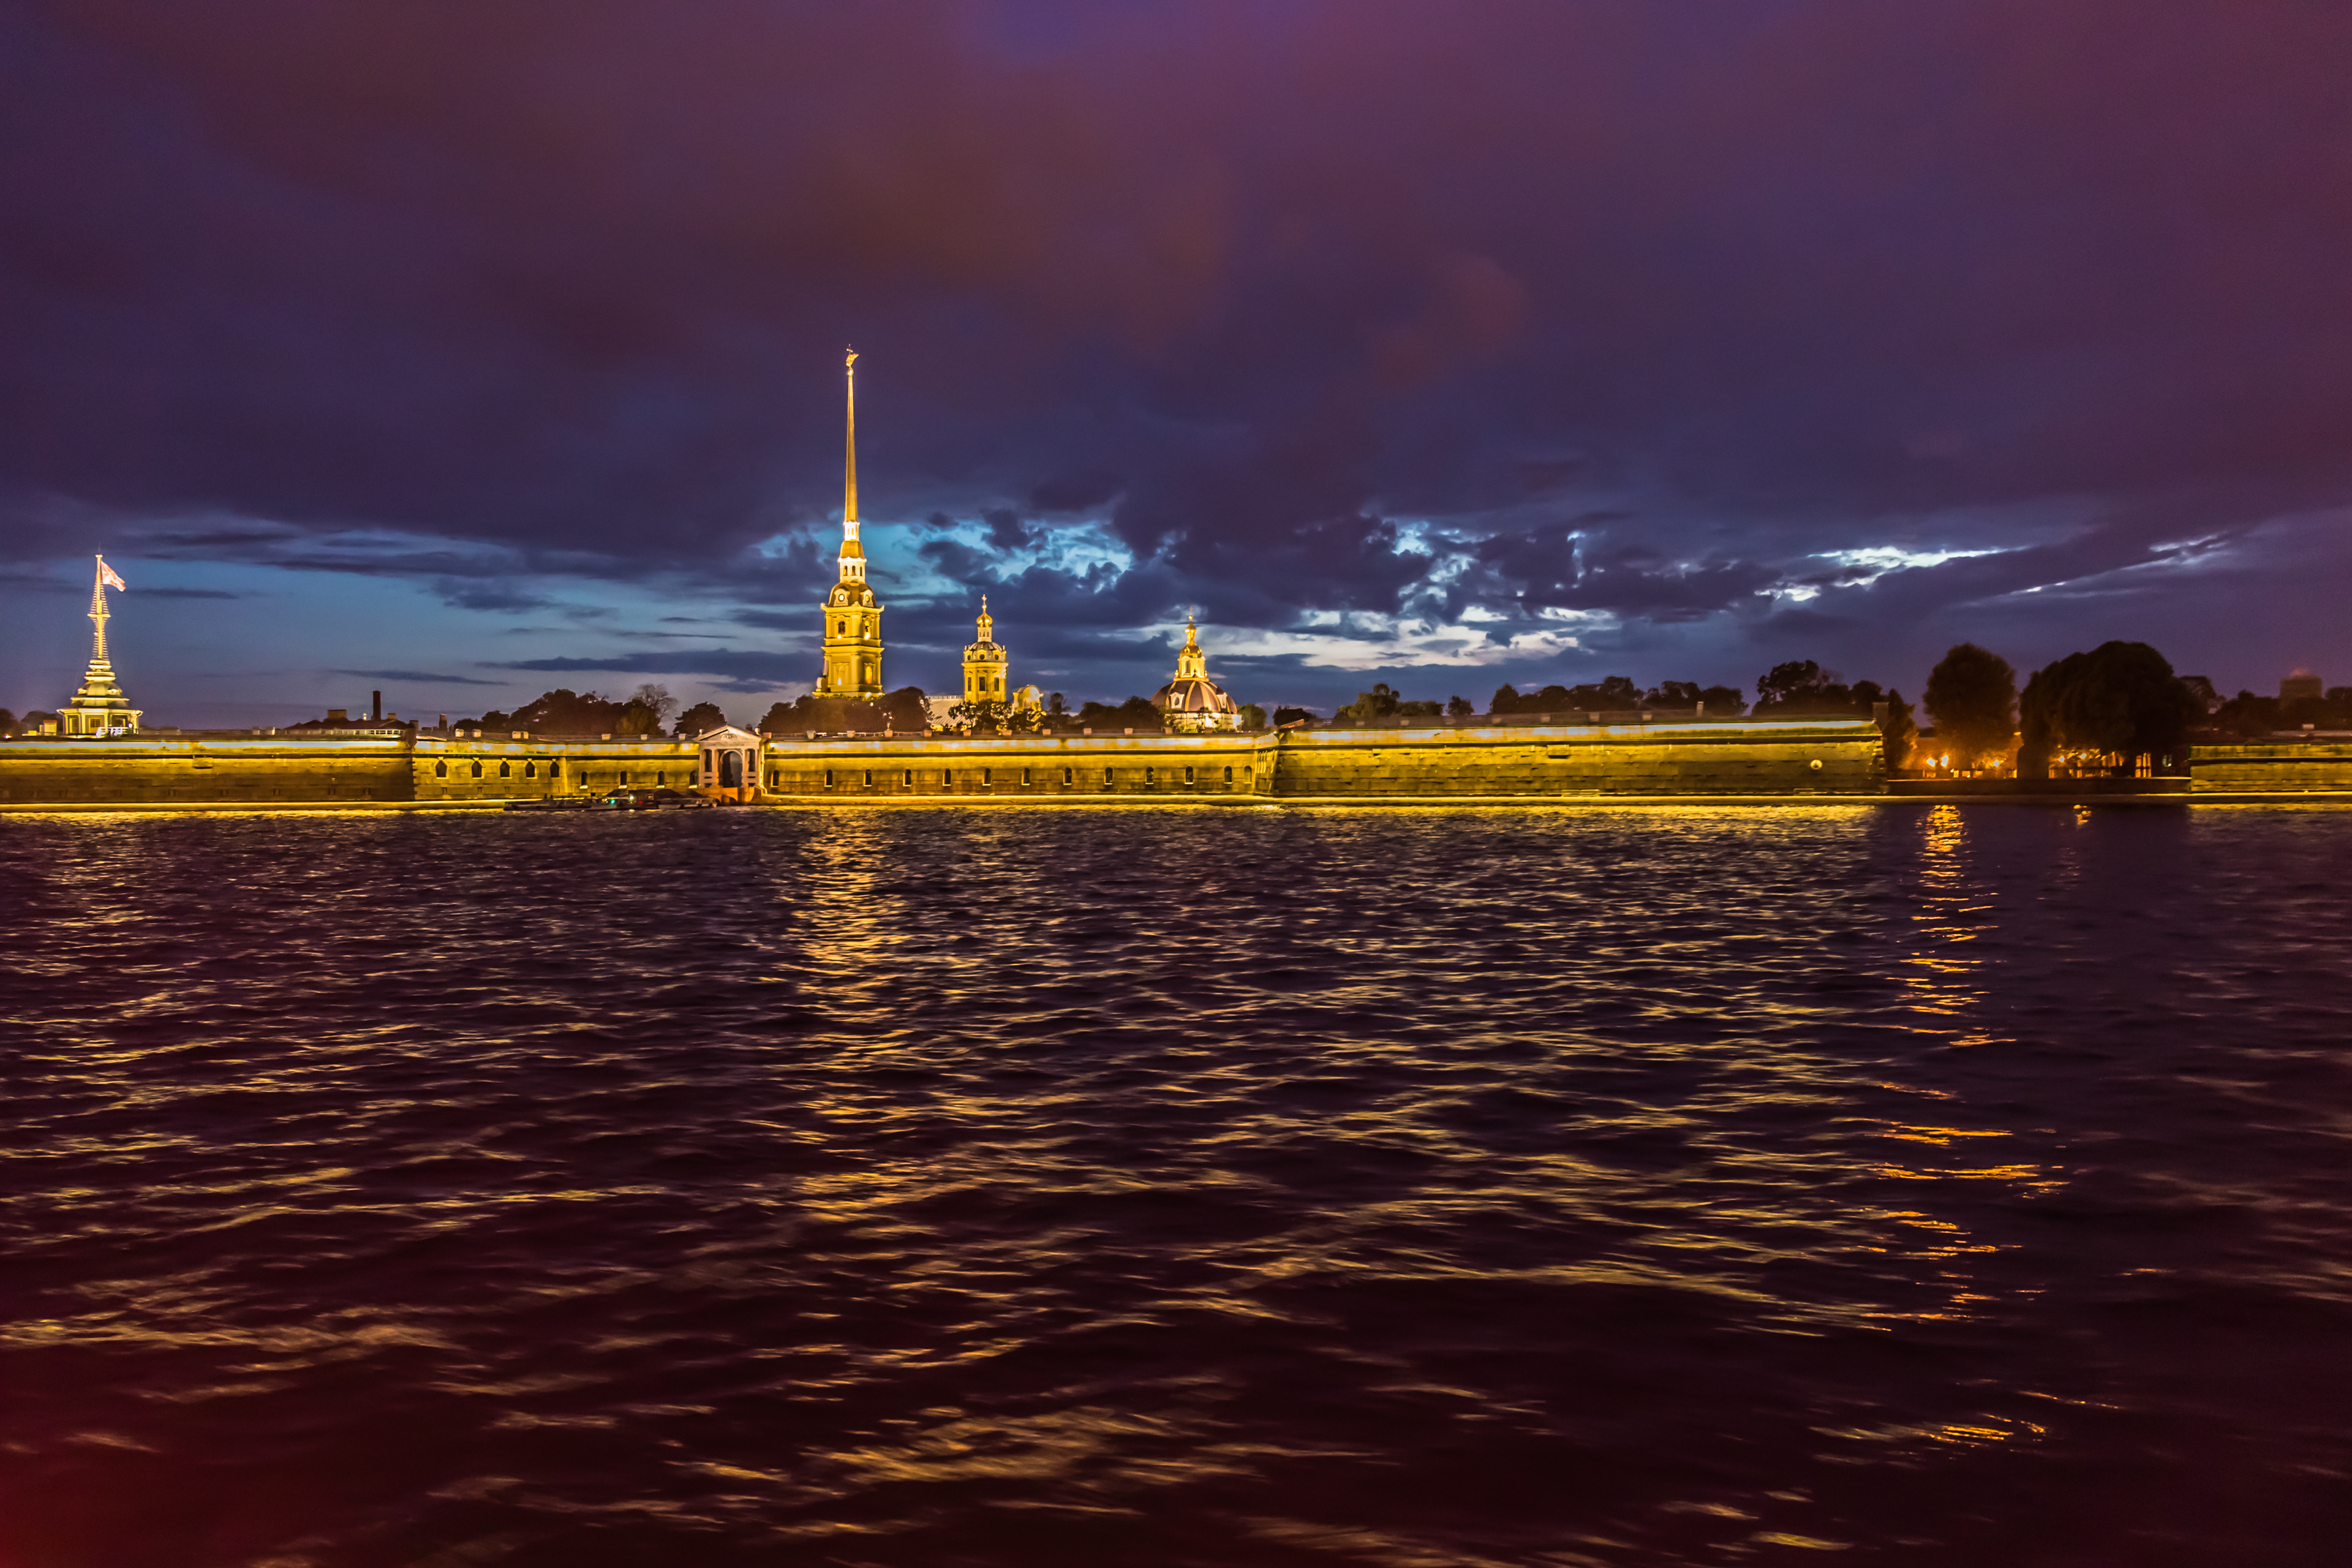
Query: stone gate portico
pixel 730 763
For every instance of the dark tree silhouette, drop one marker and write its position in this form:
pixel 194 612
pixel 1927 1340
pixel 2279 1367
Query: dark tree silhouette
pixel 2120 699
pixel 700 717
pixel 1135 714
pixel 1972 697
pixel 1383 701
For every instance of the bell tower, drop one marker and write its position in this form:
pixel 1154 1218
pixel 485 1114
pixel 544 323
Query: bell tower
pixel 985 659
pixel 853 619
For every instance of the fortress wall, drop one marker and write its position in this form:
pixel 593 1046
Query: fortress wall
pixel 218 771
pixel 1586 760
pixel 1012 767
pixel 238 771
pixel 442 770
pixel 2288 769
pixel 1759 757
pixel 1448 762
pixel 1458 761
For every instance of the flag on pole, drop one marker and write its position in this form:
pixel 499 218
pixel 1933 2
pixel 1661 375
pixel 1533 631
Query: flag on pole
pixel 107 576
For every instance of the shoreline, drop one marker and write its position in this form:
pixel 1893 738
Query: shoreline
pixel 2054 800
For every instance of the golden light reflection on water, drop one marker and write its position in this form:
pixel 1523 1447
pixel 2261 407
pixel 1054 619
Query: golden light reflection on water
pixel 1950 912
pixel 896 1167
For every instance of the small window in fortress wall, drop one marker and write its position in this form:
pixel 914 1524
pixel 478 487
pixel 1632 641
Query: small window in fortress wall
pixel 531 770
pixel 505 770
pixel 987 775
pixel 555 769
pixel 477 770
pixel 1229 775
pixel 1188 773
pixel 911 778
pixel 1069 775
pixel 440 770
pixel 1106 775
pixel 1151 775
pixel 869 778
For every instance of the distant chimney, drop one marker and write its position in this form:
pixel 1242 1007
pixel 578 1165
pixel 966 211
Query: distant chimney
pixel 445 720
pixel 376 706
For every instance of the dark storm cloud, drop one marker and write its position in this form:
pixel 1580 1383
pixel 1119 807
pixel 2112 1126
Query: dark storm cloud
pixel 729 671
pixel 1588 566
pixel 562 287
pixel 419 676
pixel 468 595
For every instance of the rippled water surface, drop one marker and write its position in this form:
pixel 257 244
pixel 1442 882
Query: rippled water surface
pixel 1866 1184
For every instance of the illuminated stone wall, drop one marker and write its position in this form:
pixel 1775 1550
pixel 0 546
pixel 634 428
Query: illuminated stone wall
pixel 1449 761
pixel 500 769
pixel 1764 757
pixel 2286 769
pixel 1436 762
pixel 1048 767
pixel 260 771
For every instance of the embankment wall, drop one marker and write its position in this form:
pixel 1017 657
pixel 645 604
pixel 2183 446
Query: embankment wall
pixel 1783 757
pixel 260 771
pixel 2287 768
pixel 289 770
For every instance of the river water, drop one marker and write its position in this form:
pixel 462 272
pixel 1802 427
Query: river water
pixel 1595 1186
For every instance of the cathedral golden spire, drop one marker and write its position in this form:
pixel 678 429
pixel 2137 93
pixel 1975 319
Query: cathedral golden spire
pixel 849 469
pixel 852 620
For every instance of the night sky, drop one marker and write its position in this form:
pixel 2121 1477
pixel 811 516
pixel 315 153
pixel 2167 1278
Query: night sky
pixel 466 350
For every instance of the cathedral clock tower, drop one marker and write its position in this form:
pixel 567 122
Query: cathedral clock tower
pixel 853 619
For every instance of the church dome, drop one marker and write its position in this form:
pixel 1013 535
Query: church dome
pixel 1194 696
pixel 1193 700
